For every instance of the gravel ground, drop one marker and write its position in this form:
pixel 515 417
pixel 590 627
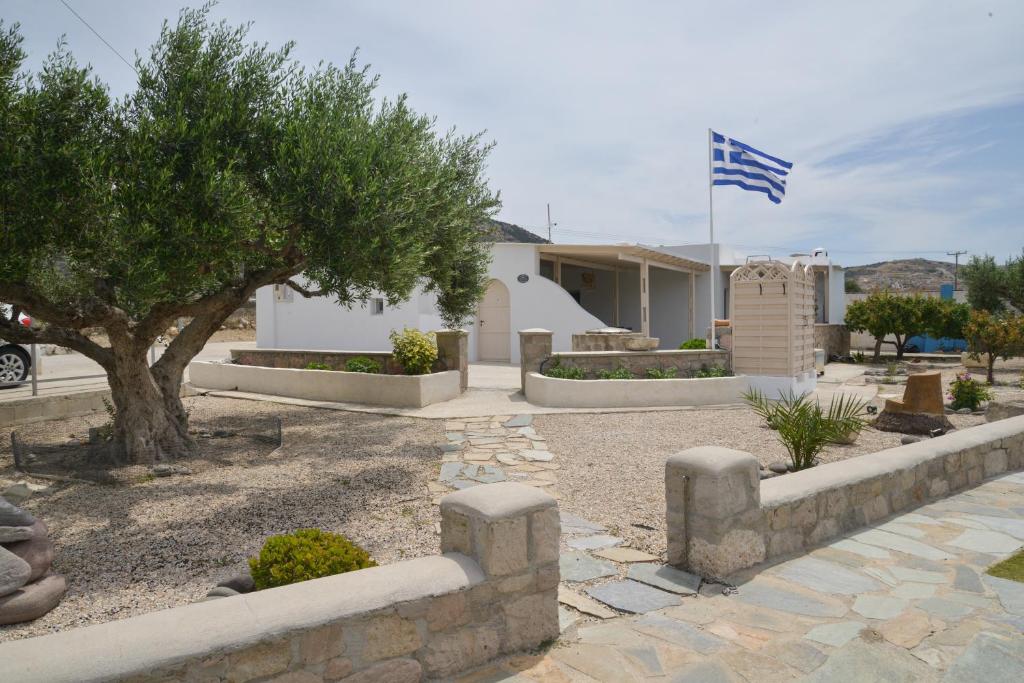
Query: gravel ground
pixel 157 543
pixel 613 465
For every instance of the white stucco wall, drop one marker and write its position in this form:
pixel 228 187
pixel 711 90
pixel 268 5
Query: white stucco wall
pixel 539 302
pixel 319 323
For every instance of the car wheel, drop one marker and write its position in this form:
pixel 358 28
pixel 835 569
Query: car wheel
pixel 14 365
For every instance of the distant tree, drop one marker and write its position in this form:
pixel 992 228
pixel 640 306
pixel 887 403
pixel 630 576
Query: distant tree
pixel 985 282
pixel 883 314
pixel 229 168
pixel 1014 282
pixel 852 286
pixel 990 336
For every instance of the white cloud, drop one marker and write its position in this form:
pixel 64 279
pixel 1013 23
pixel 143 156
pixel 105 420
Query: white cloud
pixel 601 108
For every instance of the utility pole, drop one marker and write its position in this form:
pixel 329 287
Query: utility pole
pixel 549 221
pixel 956 268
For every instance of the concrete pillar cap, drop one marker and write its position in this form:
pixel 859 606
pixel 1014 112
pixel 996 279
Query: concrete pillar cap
pixel 497 501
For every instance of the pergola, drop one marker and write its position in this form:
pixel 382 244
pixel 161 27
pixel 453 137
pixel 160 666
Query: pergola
pixel 616 258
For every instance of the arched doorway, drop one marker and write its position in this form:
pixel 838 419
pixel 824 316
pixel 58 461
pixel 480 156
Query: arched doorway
pixel 493 324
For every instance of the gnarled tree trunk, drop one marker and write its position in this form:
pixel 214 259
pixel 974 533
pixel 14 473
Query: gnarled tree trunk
pixel 150 422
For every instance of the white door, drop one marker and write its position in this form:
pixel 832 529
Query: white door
pixel 493 314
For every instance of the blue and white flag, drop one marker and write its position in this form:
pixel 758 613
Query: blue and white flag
pixel 734 163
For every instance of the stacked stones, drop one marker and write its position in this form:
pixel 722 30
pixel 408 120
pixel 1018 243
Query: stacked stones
pixel 27 589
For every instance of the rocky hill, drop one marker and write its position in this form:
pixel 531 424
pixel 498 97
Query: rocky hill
pixel 915 275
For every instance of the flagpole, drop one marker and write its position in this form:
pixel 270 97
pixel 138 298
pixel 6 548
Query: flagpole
pixel 711 238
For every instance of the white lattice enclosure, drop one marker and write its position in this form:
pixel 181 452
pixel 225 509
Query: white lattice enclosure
pixel 772 317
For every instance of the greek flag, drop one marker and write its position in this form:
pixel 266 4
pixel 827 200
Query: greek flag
pixel 734 163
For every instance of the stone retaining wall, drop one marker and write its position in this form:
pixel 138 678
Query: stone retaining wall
pixel 603 341
pixel 452 354
pixel 722 518
pixel 493 592
pixel 686 362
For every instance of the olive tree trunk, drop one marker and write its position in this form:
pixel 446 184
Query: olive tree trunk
pixel 150 422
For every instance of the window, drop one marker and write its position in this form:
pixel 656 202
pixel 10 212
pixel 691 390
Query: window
pixel 377 306
pixel 282 293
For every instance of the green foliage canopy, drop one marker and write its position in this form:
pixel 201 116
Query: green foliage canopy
pixel 881 314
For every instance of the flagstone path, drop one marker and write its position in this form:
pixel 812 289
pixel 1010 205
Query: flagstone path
pixel 906 600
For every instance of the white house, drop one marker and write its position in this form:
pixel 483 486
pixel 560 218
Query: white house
pixel 661 291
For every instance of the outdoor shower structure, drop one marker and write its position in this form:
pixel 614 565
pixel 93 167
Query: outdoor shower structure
pixel 772 318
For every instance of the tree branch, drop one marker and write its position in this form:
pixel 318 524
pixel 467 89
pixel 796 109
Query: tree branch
pixel 307 293
pixel 14 331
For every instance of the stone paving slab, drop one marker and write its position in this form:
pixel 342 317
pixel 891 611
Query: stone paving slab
pixel 579 566
pixel 625 555
pixel 632 596
pixel 595 542
pixel 666 578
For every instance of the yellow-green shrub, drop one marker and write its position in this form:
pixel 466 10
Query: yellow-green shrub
pixel 415 351
pixel 303 555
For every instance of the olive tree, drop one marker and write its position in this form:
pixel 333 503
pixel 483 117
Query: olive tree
pixel 883 314
pixel 230 167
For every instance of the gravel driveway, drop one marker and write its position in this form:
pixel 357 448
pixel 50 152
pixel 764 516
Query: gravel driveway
pixel 157 543
pixel 613 465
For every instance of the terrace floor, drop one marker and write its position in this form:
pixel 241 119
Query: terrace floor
pixel 905 600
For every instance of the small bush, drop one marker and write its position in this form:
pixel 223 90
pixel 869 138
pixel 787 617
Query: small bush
pixel 303 555
pixel 713 371
pixel 565 372
pixel 316 365
pixel 618 373
pixel 964 392
pixel 695 343
pixel 415 351
pixel 661 373
pixel 362 364
pixel 858 357
pixel 761 405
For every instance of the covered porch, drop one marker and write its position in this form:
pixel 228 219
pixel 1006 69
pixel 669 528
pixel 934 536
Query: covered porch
pixel 629 286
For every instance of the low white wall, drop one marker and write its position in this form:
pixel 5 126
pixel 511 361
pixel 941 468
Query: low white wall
pixel 403 391
pixel 632 393
pixel 775 387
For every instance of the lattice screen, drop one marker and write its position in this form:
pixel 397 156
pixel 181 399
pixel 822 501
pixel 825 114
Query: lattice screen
pixel 772 316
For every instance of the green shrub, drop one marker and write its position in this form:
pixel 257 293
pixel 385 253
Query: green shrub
pixel 964 392
pixel 761 405
pixel 316 365
pixel 695 343
pixel 362 364
pixel 713 371
pixel 303 555
pixel 804 428
pixel 661 373
pixel 415 351
pixel 618 373
pixel 565 372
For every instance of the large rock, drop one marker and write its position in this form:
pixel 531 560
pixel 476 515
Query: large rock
pixel 11 534
pixel 33 600
pixel 14 572
pixel 910 423
pixel 37 551
pixel 14 516
pixel 1000 410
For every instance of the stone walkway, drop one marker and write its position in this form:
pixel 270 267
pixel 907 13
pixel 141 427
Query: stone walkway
pixel 906 600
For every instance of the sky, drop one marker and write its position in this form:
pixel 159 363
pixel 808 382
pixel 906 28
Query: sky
pixel 904 119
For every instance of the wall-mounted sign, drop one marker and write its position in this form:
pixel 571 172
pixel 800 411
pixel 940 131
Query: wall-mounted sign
pixel 588 280
pixel 523 277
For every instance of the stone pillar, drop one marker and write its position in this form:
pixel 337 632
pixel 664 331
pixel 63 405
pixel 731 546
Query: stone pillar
pixel 512 531
pixel 713 507
pixel 534 348
pixel 453 350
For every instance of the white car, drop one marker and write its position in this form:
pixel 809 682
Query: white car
pixel 15 360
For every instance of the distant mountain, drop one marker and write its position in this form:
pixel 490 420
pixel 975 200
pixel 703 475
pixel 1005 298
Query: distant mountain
pixel 914 275
pixel 508 232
